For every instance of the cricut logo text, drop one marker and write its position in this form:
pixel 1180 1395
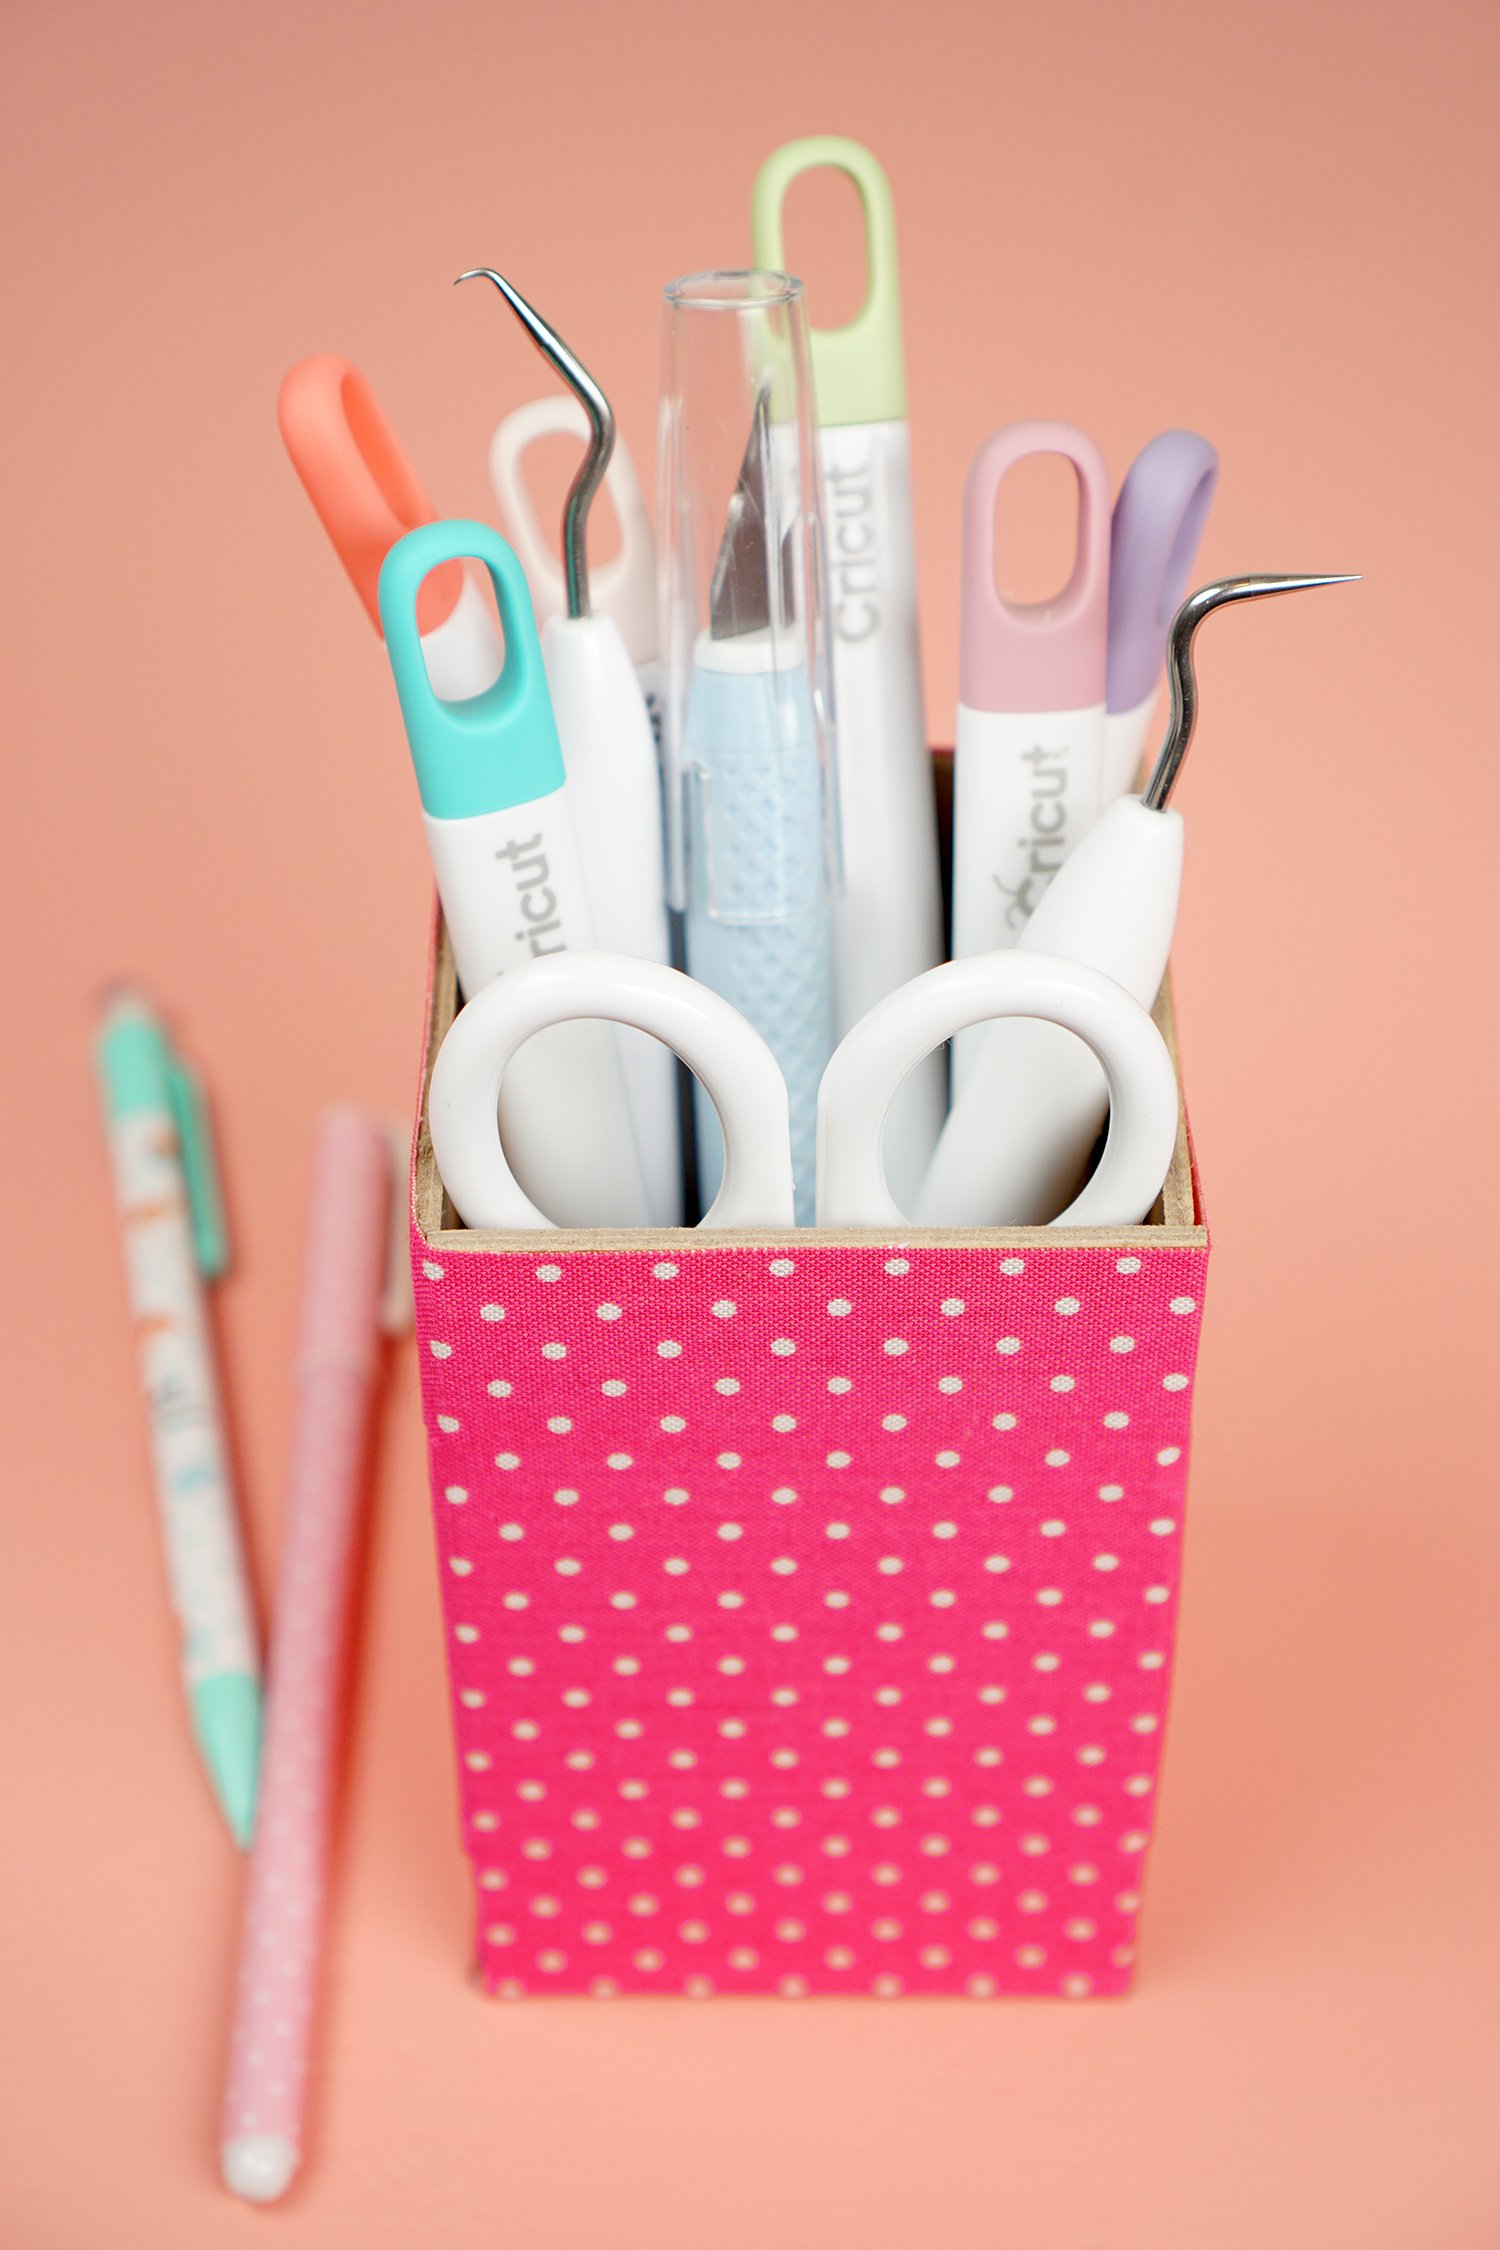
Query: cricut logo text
pixel 856 584
pixel 1046 842
pixel 535 898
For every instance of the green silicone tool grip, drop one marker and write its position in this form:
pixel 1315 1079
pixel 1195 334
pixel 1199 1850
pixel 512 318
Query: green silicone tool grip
pixel 859 371
pixel 493 750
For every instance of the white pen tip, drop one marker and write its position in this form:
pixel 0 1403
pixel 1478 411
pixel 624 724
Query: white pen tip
pixel 121 998
pixel 259 2166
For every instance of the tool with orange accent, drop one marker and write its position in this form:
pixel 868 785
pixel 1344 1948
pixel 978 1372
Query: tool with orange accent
pixel 172 1222
pixel 367 496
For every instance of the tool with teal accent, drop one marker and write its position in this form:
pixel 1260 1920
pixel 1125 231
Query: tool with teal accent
pixel 500 833
pixel 172 1224
pixel 614 782
pixel 888 917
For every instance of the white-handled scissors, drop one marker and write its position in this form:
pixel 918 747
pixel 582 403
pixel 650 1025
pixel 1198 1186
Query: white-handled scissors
pixel 741 1077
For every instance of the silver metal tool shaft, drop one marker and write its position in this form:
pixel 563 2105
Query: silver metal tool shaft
pixel 1180 673
pixel 601 434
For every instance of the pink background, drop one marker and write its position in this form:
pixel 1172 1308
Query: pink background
pixel 1274 224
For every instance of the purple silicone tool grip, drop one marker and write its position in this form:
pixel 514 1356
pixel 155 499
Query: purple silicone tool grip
pixel 1158 522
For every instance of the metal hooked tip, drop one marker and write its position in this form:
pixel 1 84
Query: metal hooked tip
pixel 601 434
pixel 1180 672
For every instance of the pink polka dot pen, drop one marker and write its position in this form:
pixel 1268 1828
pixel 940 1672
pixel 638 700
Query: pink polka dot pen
pixel 347 1260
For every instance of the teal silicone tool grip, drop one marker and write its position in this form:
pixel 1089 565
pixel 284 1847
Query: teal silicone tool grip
pixel 493 750
pixel 859 370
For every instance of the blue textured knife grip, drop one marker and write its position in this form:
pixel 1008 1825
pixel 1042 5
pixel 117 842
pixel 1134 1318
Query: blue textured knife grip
pixel 758 923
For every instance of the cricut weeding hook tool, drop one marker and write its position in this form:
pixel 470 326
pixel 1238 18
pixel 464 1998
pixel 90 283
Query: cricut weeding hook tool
pixel 1028 1114
pixel 625 586
pixel 601 434
pixel 1181 677
pixel 610 758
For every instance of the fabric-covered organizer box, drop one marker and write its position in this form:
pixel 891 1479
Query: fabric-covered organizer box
pixel 809 1599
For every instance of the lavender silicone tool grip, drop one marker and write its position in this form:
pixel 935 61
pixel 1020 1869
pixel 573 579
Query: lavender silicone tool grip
pixel 1157 524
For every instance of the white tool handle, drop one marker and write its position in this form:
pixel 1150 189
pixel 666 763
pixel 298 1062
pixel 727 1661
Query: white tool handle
pixel 874 1057
pixel 1026 790
pixel 651 678
pixel 1032 1103
pixel 513 892
pixel 614 791
pixel 1125 737
pixel 463 655
pixel 888 913
pixel 512 886
pixel 737 1068
pixel 623 588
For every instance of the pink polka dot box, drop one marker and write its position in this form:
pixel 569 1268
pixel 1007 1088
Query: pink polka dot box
pixel 809 1599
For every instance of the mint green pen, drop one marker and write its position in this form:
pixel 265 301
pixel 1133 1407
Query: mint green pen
pixel 171 1221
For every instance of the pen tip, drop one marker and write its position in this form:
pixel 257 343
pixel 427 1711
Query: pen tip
pixel 120 998
pixel 226 1720
pixel 259 2167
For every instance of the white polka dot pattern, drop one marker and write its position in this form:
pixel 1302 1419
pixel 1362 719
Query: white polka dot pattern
pixel 286 1884
pixel 809 1618
pixel 347 1257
